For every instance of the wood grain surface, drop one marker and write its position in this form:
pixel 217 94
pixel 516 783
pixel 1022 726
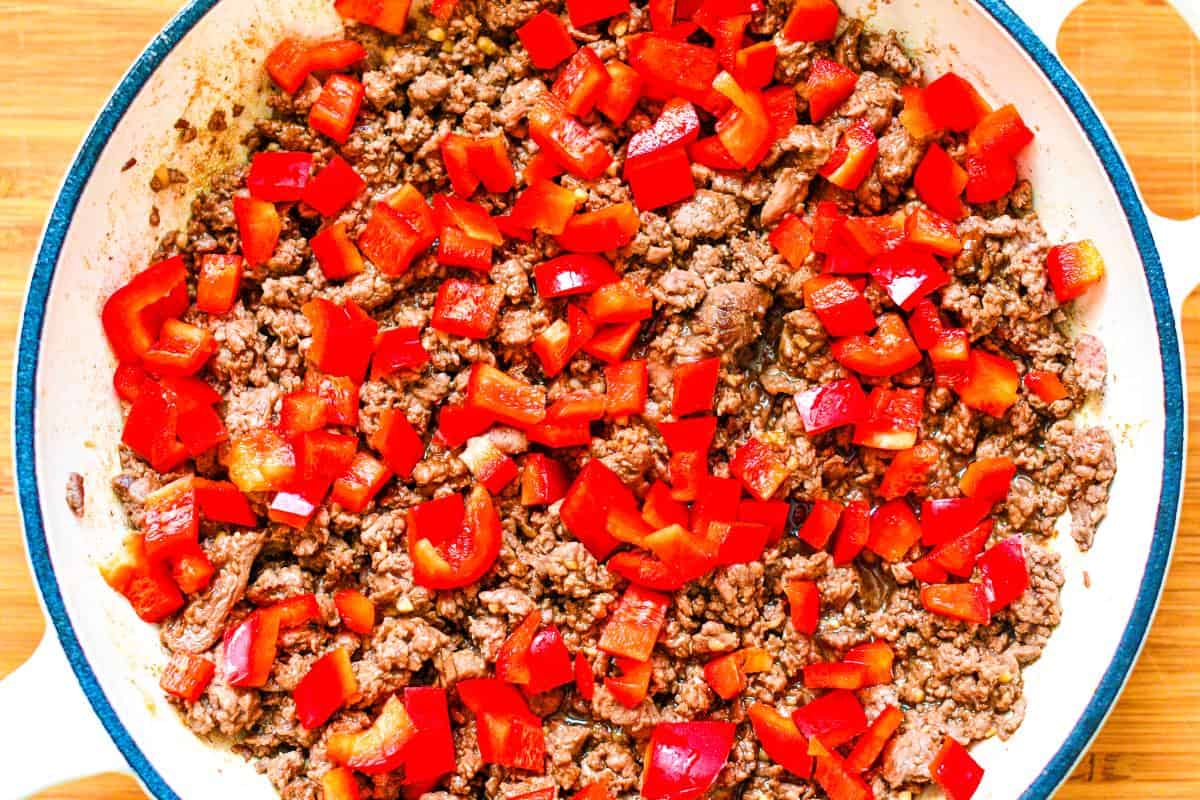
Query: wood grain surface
pixel 59 61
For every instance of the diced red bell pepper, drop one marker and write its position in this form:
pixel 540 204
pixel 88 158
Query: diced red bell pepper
pixel 964 601
pixel 827 87
pixel 908 471
pixel 693 386
pixel 340 393
pixel 287 64
pixel 507 399
pixel 550 661
pixel 877 656
pixel 811 21
pixel 586 12
pixel 192 571
pixel 908 274
pixel 746 128
pixel 543 480
pixel 379 748
pixel 600 790
pixel 339 783
pixel 545 206
pixel 509 734
pixel 948 518
pixel 343 338
pixel 600 231
pixel 302 411
pixel 249 649
pixel 835 675
pixel 838 780
pixel 660 178
pixel 470 218
pixel 329 683
pixel 553 347
pixel 724 674
pixel 773 514
pixel 623 301
pixel 717 501
pixel 1045 384
pixel 259 227
pixel 952 102
pixel 841 307
pixel 513 663
pixel 740 542
pixel 334 187
pixel 686 470
pixel 279 176
pixel 821 522
pixel 391 241
pixel 581 82
pixel 687 554
pixel 955 771
pixel 357 612
pixel 465 308
pixel 834 718
pixel 854 531
pixel 455 149
pixel 660 510
pixel 957 556
pixel 566 140
pixel 690 435
pixel 626 387
pixel 556 434
pixel 355 489
pixel 547 39
pixel 389 16
pixel 711 153
pixel 181 349
pixel 572 274
pixel 934 232
pixel 893 419
pixel 754 66
pixel 186 676
pixel 396 350
pixel 296 611
pixel 760 468
pixel 634 625
pixel 685 758
pixel 622 92
pixel 915 115
pixel 991 383
pixel 894 530
pixel 1004 572
pixel 988 478
pixel 488 159
pixel 633 684
pixel 491 467
pixel 678 124
pixel 430 753
pixel 336 109
pixel 940 182
pixel 647 571
pixel 218 283
pixel 295 508
pixel 585 510
pixel 853 158
pixel 832 405
pixel 458 422
pixel 458 249
pixel 727 31
pixel 781 739
pixel 147 585
pixel 336 252
pixel 1074 268
pixel 128 379
pixel 792 238
pixel 889 351
pixel 675 68
pixel 869 746
pixel 261 461
pixel 321 457
pixel 452 544
pixel 1002 132
pixel 221 501
pixel 585 679
pixel 989 177
pixel 134 315
pixel 876 236
pixel 612 342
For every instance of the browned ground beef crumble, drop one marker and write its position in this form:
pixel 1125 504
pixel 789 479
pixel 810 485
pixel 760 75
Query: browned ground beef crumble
pixel 720 289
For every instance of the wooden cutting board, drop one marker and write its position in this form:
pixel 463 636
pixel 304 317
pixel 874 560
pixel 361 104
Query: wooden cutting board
pixel 1136 57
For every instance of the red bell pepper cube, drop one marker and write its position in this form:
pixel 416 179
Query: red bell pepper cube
pixel 832 405
pixel 334 187
pixel 339 783
pixel 781 110
pixel 940 182
pixel 564 139
pixel 329 683
pixel 876 236
pixel 740 542
pixel 507 399
pixel 948 518
pixel 690 435
pixel 581 82
pixel 877 656
pixel 964 601
pixel 356 611
pixel 894 530
pixel 181 349
pixel 915 115
pixel 889 351
pixel 261 461
pixel 192 571
pixel 340 393
pixel 621 94
pixel 601 231
pixel 391 241
pixel 553 347
pixel 487 157
pixel 134 315
pixel 545 206
pixel 660 510
pixel 934 232
pixel 1046 385
pixel 259 227
pixel 926 570
pixel 908 274
pixel 952 102
pixel 379 748
pixel 792 238
pixel 854 531
pixel 1002 132
pixel 146 584
pixel 685 758
pixel 989 177
pixel 355 489
pixel 295 508
pixel 302 411
pixel 893 419
pixel 586 12
pixel 389 16
pixel 128 379
pixel 491 467
pixel 991 383
pixel 835 675
pixel 583 405
pixel 279 176
pixel 513 662
pixel 296 611
pixel 547 39
pixel 711 153
pixel 716 501
pixel 957 556
pixel 287 64
pixel 398 349
pixel 622 301
pixel 746 128
pixel 458 249
pixel 821 522
pixel 219 282
pixel 612 342
pixel 572 274
pixel 772 514
pixel 458 422
pixel 677 124
pixel 834 718
pixel 430 753
pixel 634 625
pixel 336 253
pixel 754 66
pixel 838 781
pixel 447 556
pixel 543 480
pixel 925 324
pixel 595 492
pixel 908 471
pixel 841 307
pixel 1004 572
pixel 187 676
pixel 988 478
pixel 632 685
pixel 398 442
pixel 647 571
pixel 625 388
pixel 827 87
pixel 693 386
pixel 560 434
pixel 675 68
pixel 724 674
pixel 470 218
pixel 550 660
pixel 1074 268
pixel 760 468
pixel 660 178
pixel 321 457
pixel 509 735
pixel 249 649
pixel 955 771
pixel 336 109
pixel 853 158
pixel 689 555
pixel 464 308
pixel 221 501
pixel 585 679
pixel 811 21
pixel 343 338
pixel 781 739
pixel 455 149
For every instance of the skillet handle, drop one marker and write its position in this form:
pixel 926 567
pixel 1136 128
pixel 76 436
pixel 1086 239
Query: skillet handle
pixel 50 734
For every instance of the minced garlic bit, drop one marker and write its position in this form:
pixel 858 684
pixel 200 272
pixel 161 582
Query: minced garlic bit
pixel 404 605
pixel 436 34
pixel 1005 677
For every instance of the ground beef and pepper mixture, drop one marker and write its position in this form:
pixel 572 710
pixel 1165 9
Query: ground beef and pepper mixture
pixel 608 401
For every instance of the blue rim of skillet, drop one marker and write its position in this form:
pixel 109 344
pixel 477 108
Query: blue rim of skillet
pixel 29 346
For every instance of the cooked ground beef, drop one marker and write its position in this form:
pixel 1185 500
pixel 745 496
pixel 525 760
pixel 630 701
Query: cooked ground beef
pixel 719 289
